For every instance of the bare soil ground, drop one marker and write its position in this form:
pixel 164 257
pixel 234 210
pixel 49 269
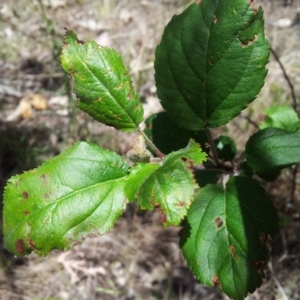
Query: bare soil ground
pixel 138 259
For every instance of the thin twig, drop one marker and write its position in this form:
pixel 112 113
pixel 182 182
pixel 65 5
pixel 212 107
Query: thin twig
pixel 250 121
pixel 287 78
pixel 212 147
pixel 151 145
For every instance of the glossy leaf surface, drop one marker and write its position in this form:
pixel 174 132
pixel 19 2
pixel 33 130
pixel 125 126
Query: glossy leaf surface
pixel 74 195
pixel 211 62
pixel 225 239
pixel 270 150
pixel 102 83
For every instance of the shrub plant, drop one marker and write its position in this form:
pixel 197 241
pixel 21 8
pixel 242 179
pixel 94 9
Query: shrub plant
pixel 209 65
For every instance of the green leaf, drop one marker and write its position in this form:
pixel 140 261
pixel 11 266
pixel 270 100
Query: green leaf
pixel 283 117
pixel 226 148
pixel 225 239
pixel 169 185
pixel 270 150
pixel 211 62
pixel 102 83
pixel 168 136
pixel 74 195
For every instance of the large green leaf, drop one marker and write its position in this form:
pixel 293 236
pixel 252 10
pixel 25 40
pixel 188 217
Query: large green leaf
pixel 76 194
pixel 102 83
pixel 211 62
pixel 227 234
pixel 283 117
pixel 168 136
pixel 169 185
pixel 270 150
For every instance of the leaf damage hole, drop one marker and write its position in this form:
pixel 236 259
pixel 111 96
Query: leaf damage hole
pixel 20 247
pixel 249 42
pixel 233 252
pixel 218 222
pixel 25 195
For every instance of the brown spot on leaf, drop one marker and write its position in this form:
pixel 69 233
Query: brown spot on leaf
pixel 46 196
pixel 215 281
pixel 30 242
pixel 26 213
pixel 215 20
pixel 181 204
pixel 25 195
pixel 20 247
pixel 198 2
pixel 44 179
pixel 219 222
pixel 249 43
pixel 233 251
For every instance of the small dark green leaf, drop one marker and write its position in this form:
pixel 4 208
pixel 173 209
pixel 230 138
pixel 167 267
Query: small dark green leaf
pixel 168 136
pixel 102 83
pixel 169 186
pixel 226 236
pixel 74 195
pixel 211 62
pixel 226 148
pixel 270 150
pixel 283 117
